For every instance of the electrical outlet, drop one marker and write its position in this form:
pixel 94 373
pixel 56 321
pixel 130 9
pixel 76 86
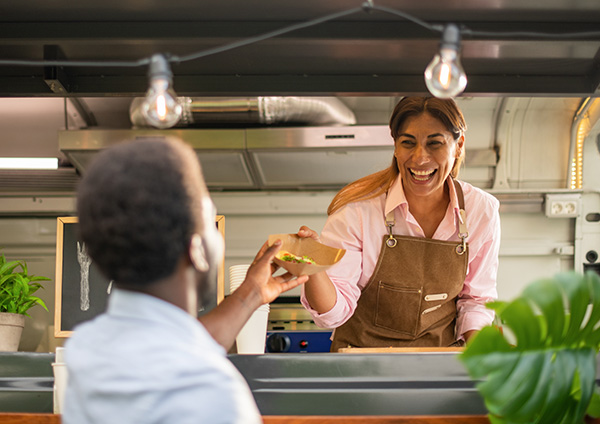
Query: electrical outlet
pixel 562 205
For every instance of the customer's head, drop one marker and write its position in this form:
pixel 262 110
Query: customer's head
pixel 141 206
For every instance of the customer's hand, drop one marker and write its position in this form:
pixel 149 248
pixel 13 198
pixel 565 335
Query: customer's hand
pixel 260 280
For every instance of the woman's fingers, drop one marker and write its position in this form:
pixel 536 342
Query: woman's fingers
pixel 305 232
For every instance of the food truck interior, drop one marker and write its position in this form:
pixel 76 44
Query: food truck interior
pixel 282 119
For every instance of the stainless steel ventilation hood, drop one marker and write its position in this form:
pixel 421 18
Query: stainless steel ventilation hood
pixel 299 158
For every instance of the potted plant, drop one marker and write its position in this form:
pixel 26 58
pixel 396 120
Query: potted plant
pixel 540 367
pixel 17 290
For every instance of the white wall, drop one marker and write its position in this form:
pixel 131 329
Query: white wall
pixel 532 246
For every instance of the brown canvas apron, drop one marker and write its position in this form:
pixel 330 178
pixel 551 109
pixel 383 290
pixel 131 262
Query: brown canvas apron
pixel 410 300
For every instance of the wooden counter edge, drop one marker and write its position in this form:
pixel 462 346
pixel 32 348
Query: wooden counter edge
pixel 400 349
pixel 19 418
pixel 33 418
pixel 376 419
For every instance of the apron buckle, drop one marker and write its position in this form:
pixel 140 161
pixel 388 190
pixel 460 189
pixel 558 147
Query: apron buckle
pixel 391 241
pixel 462 247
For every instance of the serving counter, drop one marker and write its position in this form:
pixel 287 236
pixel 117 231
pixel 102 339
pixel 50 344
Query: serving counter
pixel 429 383
pixel 299 384
pixel 386 385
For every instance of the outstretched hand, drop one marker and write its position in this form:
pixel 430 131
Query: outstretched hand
pixel 225 321
pixel 260 279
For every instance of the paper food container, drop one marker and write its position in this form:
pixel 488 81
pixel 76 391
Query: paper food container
pixel 324 256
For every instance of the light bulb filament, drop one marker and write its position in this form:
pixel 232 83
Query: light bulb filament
pixel 445 75
pixel 161 107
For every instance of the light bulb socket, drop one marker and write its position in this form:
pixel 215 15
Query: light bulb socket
pixel 159 68
pixel 450 37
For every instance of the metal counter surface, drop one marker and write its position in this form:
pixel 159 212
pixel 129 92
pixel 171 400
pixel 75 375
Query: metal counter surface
pixel 299 383
pixel 360 384
pixel 26 382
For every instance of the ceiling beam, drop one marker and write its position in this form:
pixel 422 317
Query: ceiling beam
pixel 55 77
pixel 595 74
pixel 191 32
pixel 306 85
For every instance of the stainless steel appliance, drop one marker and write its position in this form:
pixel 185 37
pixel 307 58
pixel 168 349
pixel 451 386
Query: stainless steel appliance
pixel 291 329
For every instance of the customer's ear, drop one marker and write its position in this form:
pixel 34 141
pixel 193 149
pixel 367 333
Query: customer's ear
pixel 198 254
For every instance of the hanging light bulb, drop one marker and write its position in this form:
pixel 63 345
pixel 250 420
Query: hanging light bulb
pixel 444 76
pixel 161 109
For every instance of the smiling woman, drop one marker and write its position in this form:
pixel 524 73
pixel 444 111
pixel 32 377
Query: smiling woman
pixel 410 278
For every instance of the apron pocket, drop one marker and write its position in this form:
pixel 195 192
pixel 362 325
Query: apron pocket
pixel 397 308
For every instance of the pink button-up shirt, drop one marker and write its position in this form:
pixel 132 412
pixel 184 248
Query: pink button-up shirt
pixel 359 228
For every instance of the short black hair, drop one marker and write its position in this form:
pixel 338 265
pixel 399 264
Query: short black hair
pixel 135 213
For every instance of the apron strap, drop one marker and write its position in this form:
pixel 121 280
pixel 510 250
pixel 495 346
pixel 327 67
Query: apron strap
pixel 463 232
pixel 390 222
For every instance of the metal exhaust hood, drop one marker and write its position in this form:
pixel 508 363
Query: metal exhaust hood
pixel 298 158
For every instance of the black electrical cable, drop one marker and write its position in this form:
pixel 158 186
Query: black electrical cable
pixel 82 63
pixel 431 27
pixel 367 6
pixel 266 36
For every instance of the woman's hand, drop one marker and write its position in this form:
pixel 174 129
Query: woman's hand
pixel 260 284
pixel 305 232
pixel 319 290
pixel 469 334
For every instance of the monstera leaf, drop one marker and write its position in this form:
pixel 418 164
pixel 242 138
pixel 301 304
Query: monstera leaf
pixel 547 372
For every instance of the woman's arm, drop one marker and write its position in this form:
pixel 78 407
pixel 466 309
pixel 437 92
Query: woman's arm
pixel 319 289
pixel 480 284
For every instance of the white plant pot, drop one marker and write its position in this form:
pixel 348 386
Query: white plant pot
pixel 11 327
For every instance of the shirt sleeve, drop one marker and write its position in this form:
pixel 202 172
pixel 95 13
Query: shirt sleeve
pixel 480 283
pixel 342 230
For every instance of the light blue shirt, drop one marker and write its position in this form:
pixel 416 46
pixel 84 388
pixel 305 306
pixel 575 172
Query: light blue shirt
pixel 147 361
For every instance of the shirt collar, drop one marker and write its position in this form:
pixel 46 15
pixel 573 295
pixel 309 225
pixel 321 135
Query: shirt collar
pixel 453 196
pixel 454 206
pixel 396 198
pixel 132 304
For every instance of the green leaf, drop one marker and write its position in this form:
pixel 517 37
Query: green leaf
pixel 594 406
pixel 549 375
pixel 39 302
pixel 38 278
pixel 578 295
pixel 518 311
pixel 548 298
pixel 536 399
pixel 8 267
pixel 586 373
pixel 593 281
pixel 25 306
pixel 17 287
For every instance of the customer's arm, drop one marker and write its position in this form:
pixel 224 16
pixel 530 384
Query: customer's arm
pixel 260 287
